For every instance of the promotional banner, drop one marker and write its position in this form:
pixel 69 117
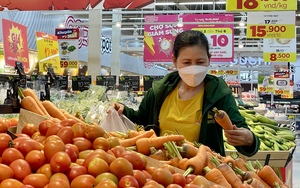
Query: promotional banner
pixel 281 83
pixel 159 38
pixel 265 82
pixel 15 43
pixel 259 5
pixel 280 50
pixel 48 55
pixel 271 24
pixel 73 4
pixel 68 47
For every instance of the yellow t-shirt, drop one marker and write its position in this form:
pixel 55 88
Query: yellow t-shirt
pixel 183 116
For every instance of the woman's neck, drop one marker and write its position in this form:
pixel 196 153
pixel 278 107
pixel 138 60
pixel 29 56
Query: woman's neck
pixel 186 92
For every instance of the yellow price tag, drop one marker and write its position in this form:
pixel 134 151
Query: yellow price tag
pixel 265 89
pixel 232 72
pixel 71 64
pixel 260 5
pixel 281 92
pixel 270 31
pixel 280 56
pixel 216 72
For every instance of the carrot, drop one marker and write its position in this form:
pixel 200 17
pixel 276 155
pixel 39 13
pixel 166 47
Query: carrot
pixel 208 161
pixel 134 133
pixel 255 183
pixel 132 141
pixel 216 176
pixel 143 144
pixel 246 175
pixel 230 175
pixel 229 160
pixel 246 185
pixel 240 163
pixel 223 119
pixel 70 116
pixel 174 161
pixel 187 150
pixel 182 162
pixel 29 103
pixel 196 164
pixel 53 110
pixel 267 174
pixel 31 93
pixel 158 154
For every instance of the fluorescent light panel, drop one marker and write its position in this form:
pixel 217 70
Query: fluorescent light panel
pixel 170 3
pixel 202 3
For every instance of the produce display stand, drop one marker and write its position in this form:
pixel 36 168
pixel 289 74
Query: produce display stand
pixel 28 117
pixel 276 159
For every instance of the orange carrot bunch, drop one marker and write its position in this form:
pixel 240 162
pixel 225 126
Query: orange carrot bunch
pixel 223 119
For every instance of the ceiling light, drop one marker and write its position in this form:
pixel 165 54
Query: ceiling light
pixel 241 45
pixel 196 3
pixel 118 24
pixel 242 23
pixel 170 3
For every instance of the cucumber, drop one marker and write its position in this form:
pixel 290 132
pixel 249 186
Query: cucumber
pixel 228 146
pixel 246 115
pixel 264 119
pixel 287 137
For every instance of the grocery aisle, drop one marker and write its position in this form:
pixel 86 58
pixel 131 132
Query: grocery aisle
pixel 296 165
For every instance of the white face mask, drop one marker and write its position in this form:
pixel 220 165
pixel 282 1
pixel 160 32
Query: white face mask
pixel 193 75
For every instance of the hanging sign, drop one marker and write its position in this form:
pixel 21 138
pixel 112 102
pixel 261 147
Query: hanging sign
pixel 259 5
pixel 68 47
pixel 15 43
pixel 280 50
pixel 81 83
pixel 271 24
pixel 281 83
pixel 265 82
pixel 129 83
pixel 148 80
pixel 159 38
pixel 108 81
pixel 48 55
pixel 232 76
pixel 216 72
pixel 61 82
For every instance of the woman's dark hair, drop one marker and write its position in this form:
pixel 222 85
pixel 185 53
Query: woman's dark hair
pixel 190 38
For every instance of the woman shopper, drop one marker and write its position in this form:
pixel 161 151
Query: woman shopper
pixel 183 100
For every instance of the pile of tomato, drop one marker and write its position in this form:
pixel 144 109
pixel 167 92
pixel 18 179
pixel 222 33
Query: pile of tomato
pixel 68 154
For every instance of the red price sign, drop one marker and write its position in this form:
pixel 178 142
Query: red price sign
pixel 219 40
pixel 231 72
pixel 270 31
pixel 69 64
pixel 278 92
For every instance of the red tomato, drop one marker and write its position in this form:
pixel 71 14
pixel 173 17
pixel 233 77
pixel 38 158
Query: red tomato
pixel 85 153
pixel 4 124
pixel 140 177
pixel 135 159
pixel 38 137
pixel 99 153
pixel 58 183
pixel 66 134
pixel 105 176
pixel 106 184
pixel 28 145
pixel 11 154
pixel 35 159
pixel 72 154
pixel 152 184
pixel 118 150
pixel 128 181
pixel 179 179
pixel 53 129
pixel 192 186
pixel 44 126
pixel 113 142
pixel 101 143
pixel 61 176
pixel 14 122
pixel 121 167
pixel 75 171
pixel 52 147
pixel 173 185
pixel 79 129
pixel 36 180
pixel 85 180
pixel 53 138
pixel 26 186
pixel 6 172
pixel 29 129
pixel 147 175
pixel 11 183
pixel 21 169
pixel 73 147
pixel 45 169
pixel 5 140
pixel 162 176
pixel 97 166
pixel 82 143
pixel 94 131
pixel 60 162
pixel 189 178
pixel 68 122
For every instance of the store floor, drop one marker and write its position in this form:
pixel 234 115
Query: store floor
pixel 296 165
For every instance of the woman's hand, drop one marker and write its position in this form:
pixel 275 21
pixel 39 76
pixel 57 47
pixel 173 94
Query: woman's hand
pixel 239 137
pixel 118 107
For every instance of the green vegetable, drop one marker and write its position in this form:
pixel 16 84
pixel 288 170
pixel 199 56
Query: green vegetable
pixel 71 48
pixel 247 115
pixel 264 119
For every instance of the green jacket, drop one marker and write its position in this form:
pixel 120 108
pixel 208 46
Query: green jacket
pixel 216 94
